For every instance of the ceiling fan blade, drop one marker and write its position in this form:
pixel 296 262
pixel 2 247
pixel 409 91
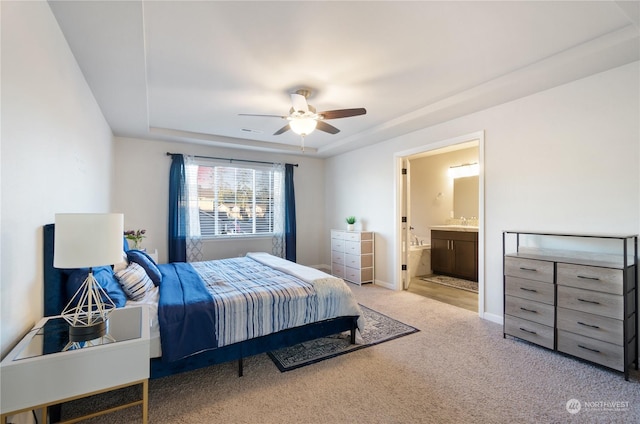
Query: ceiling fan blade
pixel 282 130
pixel 267 116
pixel 323 126
pixel 342 113
pixel 299 103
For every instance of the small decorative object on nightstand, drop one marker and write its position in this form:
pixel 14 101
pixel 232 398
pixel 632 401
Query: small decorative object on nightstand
pixel 34 375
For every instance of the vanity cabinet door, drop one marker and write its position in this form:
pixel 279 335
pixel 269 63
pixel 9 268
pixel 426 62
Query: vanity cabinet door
pixel 441 260
pixel 465 259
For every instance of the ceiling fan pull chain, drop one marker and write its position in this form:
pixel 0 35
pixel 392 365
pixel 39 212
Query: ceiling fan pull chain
pixel 302 136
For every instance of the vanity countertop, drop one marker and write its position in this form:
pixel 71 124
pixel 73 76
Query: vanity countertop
pixel 466 228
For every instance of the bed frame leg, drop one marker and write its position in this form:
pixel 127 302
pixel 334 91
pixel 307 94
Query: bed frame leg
pixel 353 330
pixel 240 368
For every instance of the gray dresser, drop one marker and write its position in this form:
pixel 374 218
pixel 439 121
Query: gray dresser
pixel 580 302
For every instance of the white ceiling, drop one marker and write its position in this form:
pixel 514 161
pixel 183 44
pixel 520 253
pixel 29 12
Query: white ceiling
pixel 179 70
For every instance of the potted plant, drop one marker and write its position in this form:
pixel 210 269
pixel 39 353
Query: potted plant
pixel 136 237
pixel 350 221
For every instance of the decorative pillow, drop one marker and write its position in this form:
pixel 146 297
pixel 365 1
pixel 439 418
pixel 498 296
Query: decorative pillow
pixel 125 244
pixel 104 276
pixel 121 265
pixel 134 281
pixel 146 262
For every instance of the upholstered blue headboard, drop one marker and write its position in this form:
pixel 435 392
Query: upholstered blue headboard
pixel 55 295
pixel 54 284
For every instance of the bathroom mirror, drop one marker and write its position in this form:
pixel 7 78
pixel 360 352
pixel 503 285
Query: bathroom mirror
pixel 465 197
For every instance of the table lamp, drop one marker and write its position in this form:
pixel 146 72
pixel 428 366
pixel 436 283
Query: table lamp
pixel 87 240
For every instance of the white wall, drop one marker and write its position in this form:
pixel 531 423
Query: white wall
pixel 565 159
pixel 56 154
pixel 142 193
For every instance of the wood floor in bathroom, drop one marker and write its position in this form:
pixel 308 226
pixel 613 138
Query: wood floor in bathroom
pixel 460 298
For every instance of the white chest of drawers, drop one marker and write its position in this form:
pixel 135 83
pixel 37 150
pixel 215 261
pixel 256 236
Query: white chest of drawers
pixel 582 303
pixel 352 256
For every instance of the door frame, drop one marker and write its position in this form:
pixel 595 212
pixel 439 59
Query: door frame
pixel 401 230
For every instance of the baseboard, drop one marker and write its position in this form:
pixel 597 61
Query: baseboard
pixel 498 319
pixel 385 284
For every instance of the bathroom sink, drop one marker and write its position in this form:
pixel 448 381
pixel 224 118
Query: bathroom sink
pixel 455 228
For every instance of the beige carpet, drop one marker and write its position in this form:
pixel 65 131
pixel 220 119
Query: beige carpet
pixel 457 369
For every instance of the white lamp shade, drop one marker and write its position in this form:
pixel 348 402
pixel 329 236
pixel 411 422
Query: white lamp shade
pixel 303 125
pixel 85 240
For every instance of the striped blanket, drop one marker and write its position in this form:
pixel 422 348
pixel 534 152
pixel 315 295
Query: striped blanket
pixel 260 294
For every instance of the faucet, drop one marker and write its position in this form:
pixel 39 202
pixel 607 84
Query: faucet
pixel 463 220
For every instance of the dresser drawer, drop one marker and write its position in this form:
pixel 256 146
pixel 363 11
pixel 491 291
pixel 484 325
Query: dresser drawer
pixel 595 326
pixel 531 269
pixel 606 280
pixel 337 270
pixel 359 261
pixel 359 275
pixel 605 304
pixel 352 236
pixel 528 330
pixel 337 234
pixel 530 289
pixel 337 257
pixel 337 245
pixel 352 247
pixel 597 351
pixel 541 313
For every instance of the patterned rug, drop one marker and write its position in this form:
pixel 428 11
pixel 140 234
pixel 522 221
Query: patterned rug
pixel 457 283
pixel 379 328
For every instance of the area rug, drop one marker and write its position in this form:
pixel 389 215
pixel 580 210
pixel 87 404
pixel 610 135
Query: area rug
pixel 379 328
pixel 457 283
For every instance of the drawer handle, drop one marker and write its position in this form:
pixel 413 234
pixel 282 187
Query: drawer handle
pixel 528 269
pixel 588 278
pixel 528 310
pixel 588 325
pixel 589 301
pixel 529 290
pixel 588 348
pixel 528 331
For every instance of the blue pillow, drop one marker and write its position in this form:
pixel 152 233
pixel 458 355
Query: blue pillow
pixel 125 244
pixel 104 276
pixel 146 262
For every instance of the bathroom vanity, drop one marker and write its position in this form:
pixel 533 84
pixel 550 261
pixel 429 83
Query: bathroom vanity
pixel 454 251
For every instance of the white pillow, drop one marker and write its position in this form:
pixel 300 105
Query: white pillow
pixel 121 265
pixel 134 281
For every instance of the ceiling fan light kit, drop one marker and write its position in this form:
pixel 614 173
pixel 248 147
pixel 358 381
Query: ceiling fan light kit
pixel 303 125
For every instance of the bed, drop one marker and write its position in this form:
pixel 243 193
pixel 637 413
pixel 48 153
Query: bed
pixel 211 312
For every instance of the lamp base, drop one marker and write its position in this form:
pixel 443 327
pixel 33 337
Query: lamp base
pixel 85 333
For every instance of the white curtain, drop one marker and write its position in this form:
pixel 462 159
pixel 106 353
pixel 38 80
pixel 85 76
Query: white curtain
pixel 194 239
pixel 278 248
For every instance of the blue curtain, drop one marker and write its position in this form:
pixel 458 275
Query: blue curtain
pixel 177 210
pixel 289 214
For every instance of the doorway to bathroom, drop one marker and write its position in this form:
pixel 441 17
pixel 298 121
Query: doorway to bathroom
pixel 442 232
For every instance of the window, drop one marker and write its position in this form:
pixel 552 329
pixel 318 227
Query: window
pixel 238 201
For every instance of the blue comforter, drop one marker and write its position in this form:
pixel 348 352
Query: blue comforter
pixel 206 305
pixel 187 320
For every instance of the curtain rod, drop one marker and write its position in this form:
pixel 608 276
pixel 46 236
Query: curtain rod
pixel 232 160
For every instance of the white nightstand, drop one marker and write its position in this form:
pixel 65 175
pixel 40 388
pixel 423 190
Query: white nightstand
pixel 37 373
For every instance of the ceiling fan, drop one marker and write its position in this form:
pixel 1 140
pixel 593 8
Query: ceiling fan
pixel 303 118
